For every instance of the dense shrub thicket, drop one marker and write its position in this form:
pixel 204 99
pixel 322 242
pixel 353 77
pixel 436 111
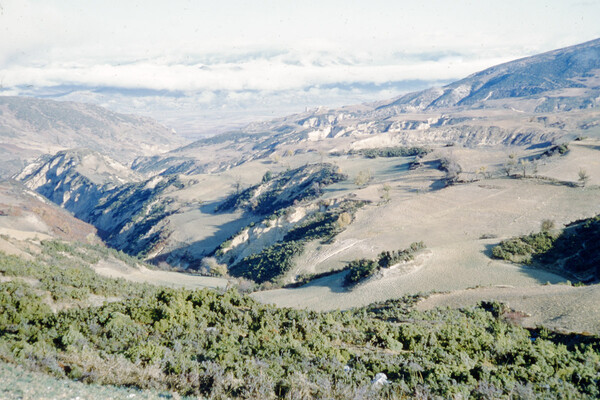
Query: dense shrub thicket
pixel 270 263
pixel 362 269
pixel 394 151
pixel 523 248
pixel 225 345
pixel 62 270
pixel 575 250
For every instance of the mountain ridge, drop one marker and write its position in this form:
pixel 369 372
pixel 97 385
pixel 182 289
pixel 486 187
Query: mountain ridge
pixel 484 108
pixel 30 127
pixel 578 59
pixel 173 207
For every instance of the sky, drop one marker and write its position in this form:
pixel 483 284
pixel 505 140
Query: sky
pixel 207 66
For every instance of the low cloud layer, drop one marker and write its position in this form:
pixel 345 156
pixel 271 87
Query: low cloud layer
pixel 255 73
pixel 186 62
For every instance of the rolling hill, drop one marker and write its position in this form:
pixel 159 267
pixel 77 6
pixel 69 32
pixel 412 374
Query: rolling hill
pixel 409 197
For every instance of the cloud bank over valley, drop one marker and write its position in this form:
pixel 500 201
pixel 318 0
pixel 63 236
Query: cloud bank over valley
pixel 203 68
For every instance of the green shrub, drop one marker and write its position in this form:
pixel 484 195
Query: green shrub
pixel 397 151
pixel 359 270
pixel 268 264
pixel 20 308
pixel 363 268
pixel 521 249
pixel 575 251
pixel 63 270
pixel 212 344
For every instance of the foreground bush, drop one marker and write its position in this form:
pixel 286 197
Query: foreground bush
pixel 225 345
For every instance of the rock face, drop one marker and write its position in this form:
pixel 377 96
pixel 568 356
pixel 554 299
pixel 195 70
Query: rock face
pixel 132 213
pixel 75 179
pixel 379 380
pixel 30 127
pixel 272 194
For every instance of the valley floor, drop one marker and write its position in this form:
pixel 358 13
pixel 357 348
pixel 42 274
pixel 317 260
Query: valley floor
pixel 459 224
pixel 452 223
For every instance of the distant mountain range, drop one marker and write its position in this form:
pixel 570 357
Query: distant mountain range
pixel 30 127
pixel 558 81
pixel 532 100
pixel 563 79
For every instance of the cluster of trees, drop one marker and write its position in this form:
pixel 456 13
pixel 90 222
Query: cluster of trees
pixel 523 166
pixel 225 345
pixel 451 167
pixel 396 151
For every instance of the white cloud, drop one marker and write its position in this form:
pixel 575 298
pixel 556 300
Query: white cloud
pixel 242 55
pixel 282 72
pixel 116 31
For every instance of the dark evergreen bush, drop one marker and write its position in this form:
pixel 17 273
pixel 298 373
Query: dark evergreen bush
pixel 574 251
pixel 362 269
pixel 223 344
pixel 397 151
